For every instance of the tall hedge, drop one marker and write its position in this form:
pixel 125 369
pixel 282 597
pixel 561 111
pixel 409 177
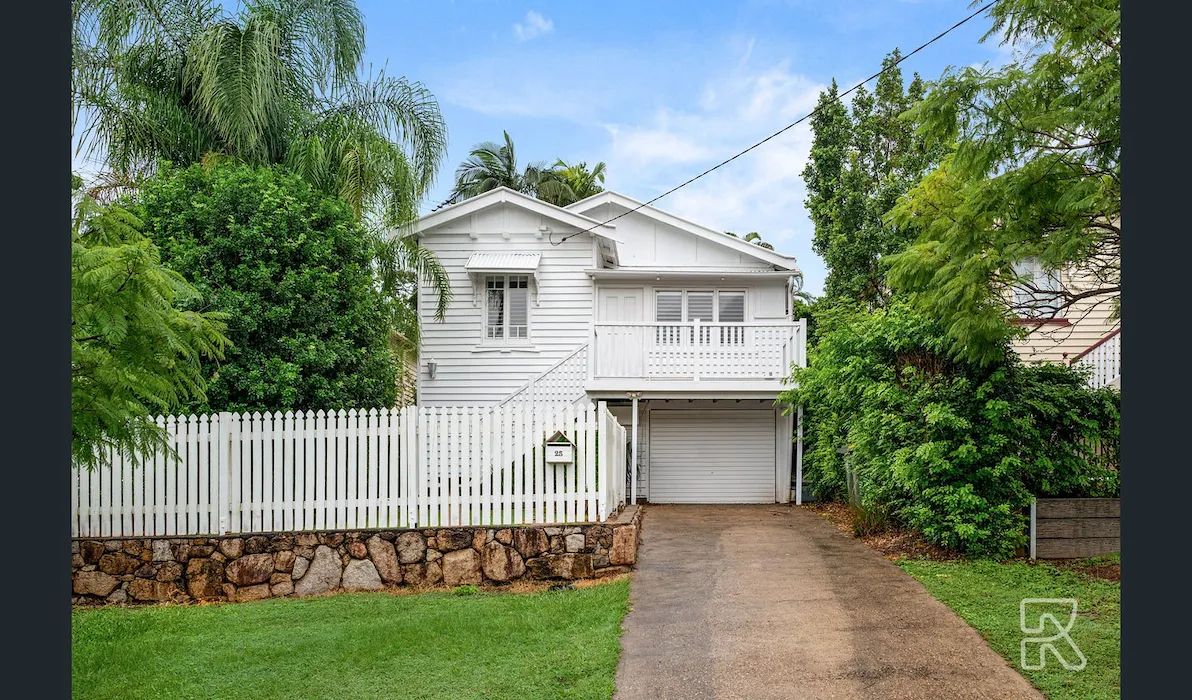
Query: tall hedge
pixel 291 268
pixel 952 449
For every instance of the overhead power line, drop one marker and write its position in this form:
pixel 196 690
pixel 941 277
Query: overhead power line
pixel 781 131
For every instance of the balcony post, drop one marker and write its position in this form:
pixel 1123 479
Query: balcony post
pixel 633 457
pixel 695 350
pixel 591 350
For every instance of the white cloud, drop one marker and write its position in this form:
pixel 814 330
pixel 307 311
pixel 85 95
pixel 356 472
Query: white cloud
pixel 667 120
pixel 762 190
pixel 533 25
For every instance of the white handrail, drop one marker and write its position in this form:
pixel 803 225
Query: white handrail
pixel 1104 358
pixel 573 386
pixel 703 324
pixel 697 351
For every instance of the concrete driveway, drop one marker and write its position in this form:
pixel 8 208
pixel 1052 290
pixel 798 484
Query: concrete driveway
pixel 774 602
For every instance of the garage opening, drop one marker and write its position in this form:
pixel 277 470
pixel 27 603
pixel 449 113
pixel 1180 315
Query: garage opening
pixel 712 456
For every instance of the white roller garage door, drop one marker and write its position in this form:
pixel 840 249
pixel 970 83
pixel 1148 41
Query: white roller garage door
pixel 712 456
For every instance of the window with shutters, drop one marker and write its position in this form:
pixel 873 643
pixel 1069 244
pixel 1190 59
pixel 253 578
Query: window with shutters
pixel 1037 296
pixel 507 309
pixel 730 308
pixel 684 307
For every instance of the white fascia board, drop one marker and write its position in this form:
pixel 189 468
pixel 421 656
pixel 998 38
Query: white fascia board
pixel 786 262
pixel 674 272
pixel 506 195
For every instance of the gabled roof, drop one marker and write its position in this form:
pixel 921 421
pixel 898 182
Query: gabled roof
pixel 504 194
pixel 785 262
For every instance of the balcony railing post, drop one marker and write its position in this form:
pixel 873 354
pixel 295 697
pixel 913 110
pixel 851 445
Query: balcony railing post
pixel 591 368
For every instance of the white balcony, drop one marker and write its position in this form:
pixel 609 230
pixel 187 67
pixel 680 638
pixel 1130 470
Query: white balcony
pixel 697 356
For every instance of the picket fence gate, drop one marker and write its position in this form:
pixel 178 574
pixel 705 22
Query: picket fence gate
pixel 344 470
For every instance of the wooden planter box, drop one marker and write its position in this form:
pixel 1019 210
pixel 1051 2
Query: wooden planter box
pixel 1075 528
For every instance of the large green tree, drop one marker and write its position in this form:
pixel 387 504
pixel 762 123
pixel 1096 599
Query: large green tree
pixel 291 268
pixel 862 159
pixel 1034 171
pixel 951 448
pixel 136 351
pixel 263 82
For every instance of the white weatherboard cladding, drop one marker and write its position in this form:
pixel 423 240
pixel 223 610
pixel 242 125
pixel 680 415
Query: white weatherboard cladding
pixel 471 372
pixel 646 242
pixel 725 456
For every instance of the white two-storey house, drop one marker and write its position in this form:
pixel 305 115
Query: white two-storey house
pixel 685 331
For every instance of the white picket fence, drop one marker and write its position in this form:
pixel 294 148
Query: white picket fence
pixel 400 468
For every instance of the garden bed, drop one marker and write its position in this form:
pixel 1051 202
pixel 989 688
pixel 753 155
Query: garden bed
pixel 894 543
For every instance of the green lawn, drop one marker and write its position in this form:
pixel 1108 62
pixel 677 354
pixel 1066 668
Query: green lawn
pixel 553 644
pixel 987 594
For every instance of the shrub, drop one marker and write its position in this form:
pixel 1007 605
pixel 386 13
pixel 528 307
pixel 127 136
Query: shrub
pixel 950 448
pixel 293 270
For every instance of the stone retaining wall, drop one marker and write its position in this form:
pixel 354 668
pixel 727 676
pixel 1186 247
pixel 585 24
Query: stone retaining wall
pixel 243 568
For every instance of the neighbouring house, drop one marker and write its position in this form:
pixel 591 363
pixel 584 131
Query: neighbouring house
pixel 685 331
pixel 1083 332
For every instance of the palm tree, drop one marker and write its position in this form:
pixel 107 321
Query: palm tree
pixel 576 182
pixel 490 165
pixel 273 84
pixel 276 83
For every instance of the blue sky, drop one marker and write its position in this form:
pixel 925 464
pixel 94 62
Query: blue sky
pixel 662 90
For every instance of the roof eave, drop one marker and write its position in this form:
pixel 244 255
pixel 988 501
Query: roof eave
pixel 764 254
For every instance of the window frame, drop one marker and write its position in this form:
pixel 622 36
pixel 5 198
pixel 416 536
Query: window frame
pixel 662 338
pixel 504 339
pixel 1028 305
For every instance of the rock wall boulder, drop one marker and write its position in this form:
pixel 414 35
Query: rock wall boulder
pixel 251 567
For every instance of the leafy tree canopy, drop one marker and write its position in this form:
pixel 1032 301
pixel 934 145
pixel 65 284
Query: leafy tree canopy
pixel 1034 171
pixel 264 82
pixel 290 267
pixel 952 448
pixel 135 350
pixel 862 159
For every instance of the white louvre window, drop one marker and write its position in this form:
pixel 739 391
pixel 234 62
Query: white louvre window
pixel 507 307
pixel 707 306
pixel 1040 298
pixel 519 306
pixel 699 307
pixel 731 309
pixel 669 309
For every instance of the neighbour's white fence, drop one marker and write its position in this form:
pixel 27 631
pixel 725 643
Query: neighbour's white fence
pixel 400 468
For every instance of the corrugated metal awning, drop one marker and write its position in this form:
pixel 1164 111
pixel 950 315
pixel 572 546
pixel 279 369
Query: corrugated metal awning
pixel 503 262
pixel 480 264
